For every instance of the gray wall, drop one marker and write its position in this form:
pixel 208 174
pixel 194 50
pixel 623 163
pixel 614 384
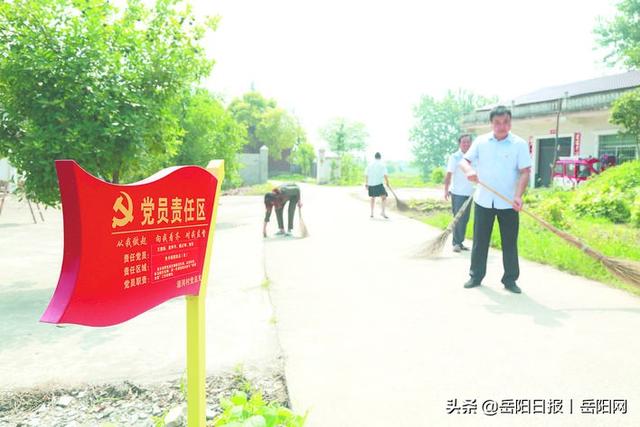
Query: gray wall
pixel 254 168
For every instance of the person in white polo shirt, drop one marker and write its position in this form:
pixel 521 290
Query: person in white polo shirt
pixel 459 189
pixel 376 176
pixel 502 161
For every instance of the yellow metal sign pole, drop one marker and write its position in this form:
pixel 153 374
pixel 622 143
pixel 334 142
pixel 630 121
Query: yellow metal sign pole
pixel 196 369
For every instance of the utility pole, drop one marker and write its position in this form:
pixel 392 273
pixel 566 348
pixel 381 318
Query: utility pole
pixel 557 146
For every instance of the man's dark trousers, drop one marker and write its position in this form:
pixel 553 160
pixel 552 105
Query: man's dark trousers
pixel 461 227
pixel 293 202
pixel 509 222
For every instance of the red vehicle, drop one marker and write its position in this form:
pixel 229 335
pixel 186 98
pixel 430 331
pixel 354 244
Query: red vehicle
pixel 569 172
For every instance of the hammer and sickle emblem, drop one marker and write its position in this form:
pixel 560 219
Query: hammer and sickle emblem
pixel 127 212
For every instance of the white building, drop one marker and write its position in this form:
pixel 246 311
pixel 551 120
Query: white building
pixel 7 172
pixel 584 128
pixel 328 166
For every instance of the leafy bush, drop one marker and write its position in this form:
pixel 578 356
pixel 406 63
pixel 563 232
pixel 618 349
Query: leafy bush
pixel 346 172
pixel 609 204
pixel 350 171
pixel 610 195
pixel 241 411
pixel 553 209
pixel 538 195
pixel 437 175
pixel 623 177
pixel 635 211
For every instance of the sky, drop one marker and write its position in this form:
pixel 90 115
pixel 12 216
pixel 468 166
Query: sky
pixel 371 61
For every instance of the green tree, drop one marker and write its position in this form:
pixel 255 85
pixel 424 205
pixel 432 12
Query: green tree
pixel 266 124
pixel 438 125
pixel 625 112
pixel 303 155
pixel 249 110
pixel 210 132
pixel 344 136
pixel 278 130
pixel 350 170
pixel 621 36
pixel 101 85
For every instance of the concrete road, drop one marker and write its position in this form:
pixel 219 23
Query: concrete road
pixel 148 348
pixel 372 335
pixel 375 337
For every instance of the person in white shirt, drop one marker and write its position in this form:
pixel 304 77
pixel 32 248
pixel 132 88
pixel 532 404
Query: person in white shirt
pixel 459 189
pixel 501 160
pixel 376 176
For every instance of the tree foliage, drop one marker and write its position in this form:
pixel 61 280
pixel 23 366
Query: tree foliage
pixel 625 112
pixel 621 36
pixel 266 124
pixel 304 155
pixel 210 132
pixel 344 136
pixel 438 125
pixel 82 79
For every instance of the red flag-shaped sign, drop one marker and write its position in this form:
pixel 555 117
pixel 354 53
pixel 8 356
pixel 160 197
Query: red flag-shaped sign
pixel 128 248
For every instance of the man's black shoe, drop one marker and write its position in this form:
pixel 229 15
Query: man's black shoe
pixel 512 287
pixel 471 284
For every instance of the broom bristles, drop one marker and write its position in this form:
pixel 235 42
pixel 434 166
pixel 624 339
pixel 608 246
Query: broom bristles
pixel 402 206
pixel 435 246
pixel 626 270
pixel 303 228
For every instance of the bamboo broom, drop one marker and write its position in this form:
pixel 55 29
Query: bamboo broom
pixel 303 228
pixel 626 270
pixel 402 206
pixel 434 247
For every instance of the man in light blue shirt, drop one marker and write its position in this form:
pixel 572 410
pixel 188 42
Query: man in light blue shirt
pixel 460 189
pixel 503 163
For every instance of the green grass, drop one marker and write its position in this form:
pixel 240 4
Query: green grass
pixel 248 408
pixel 396 179
pixel 409 180
pixel 538 244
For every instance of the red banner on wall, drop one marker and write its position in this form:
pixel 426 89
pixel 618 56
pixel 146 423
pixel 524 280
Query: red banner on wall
pixel 577 140
pixel 530 145
pixel 128 248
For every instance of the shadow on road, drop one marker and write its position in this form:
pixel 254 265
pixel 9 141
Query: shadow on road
pixel 523 305
pixel 20 312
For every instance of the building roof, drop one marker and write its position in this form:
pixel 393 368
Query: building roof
pixel 622 81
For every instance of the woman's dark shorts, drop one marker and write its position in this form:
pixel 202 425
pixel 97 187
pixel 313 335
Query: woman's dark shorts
pixel 377 190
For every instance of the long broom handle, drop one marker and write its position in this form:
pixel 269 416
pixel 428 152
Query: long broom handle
pixel 566 236
pixel 506 199
pixel 456 218
pixel 392 192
